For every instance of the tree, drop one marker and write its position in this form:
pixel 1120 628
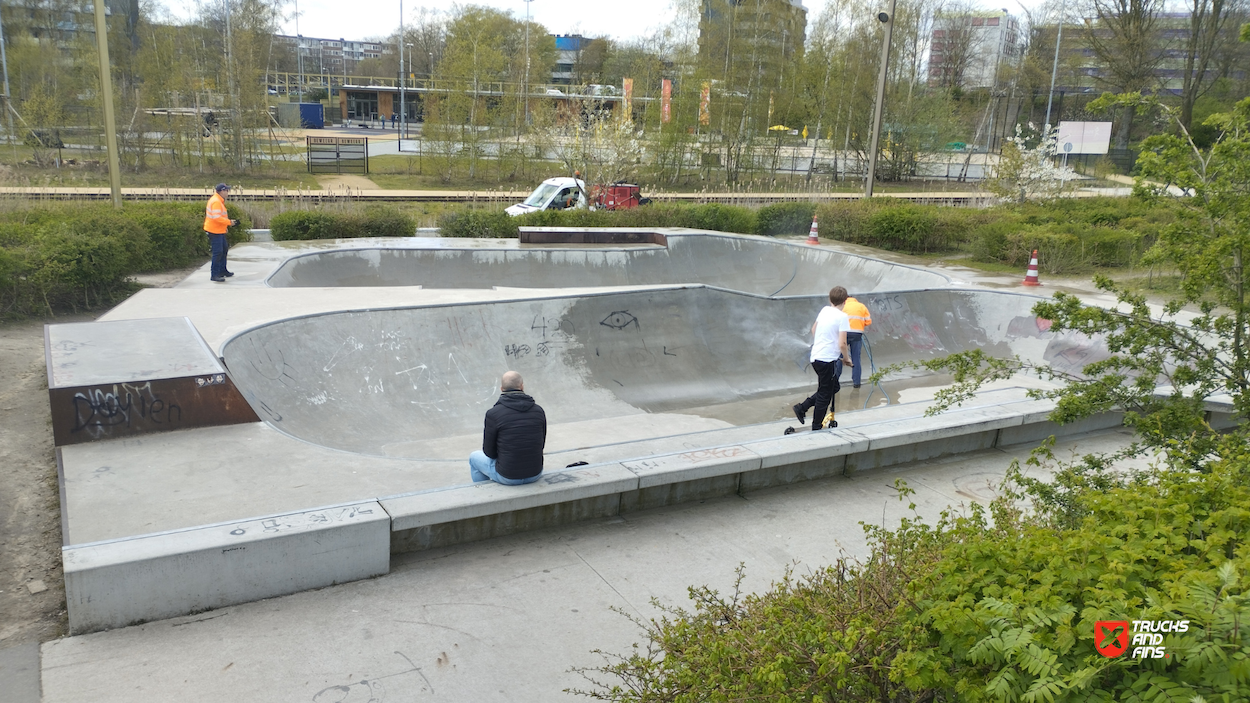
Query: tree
pixel 1125 38
pixel 1206 38
pixel 956 44
pixel 1162 366
pixel 1025 173
pixel 1001 603
pixel 600 145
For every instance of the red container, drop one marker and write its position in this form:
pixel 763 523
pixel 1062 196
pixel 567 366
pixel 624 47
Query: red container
pixel 617 196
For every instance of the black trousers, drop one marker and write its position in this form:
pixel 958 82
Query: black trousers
pixel 827 386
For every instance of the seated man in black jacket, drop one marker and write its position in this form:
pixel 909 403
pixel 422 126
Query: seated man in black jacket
pixel 512 444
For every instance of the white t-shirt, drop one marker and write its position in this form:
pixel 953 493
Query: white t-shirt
pixel 829 323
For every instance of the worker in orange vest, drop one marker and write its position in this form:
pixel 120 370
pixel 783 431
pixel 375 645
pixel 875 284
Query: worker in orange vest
pixel 216 222
pixel 860 320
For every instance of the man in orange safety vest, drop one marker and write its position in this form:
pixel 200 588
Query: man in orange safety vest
pixel 216 222
pixel 860 320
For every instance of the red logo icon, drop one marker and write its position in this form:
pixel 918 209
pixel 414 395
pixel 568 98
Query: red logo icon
pixel 1111 637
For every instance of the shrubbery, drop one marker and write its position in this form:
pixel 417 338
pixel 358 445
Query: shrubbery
pixel 784 218
pixel 485 224
pixel 1072 235
pixel 319 224
pixel 79 256
pixel 898 225
pixel 497 224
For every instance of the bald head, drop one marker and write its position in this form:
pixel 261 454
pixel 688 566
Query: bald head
pixel 511 381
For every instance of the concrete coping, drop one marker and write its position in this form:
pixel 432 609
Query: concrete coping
pixel 424 508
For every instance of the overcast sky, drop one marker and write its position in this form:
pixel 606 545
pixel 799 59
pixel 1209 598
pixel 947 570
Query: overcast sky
pixel 357 19
pixel 619 19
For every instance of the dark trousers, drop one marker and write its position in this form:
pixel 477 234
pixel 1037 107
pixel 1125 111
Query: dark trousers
pixel 827 386
pixel 219 246
pixel 854 340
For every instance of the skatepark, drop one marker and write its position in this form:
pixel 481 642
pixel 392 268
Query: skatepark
pixel 297 427
pixel 307 424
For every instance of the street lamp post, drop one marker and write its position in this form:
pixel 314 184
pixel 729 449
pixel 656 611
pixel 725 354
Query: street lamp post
pixel 403 107
pixel 1054 69
pixel 886 18
pixel 527 60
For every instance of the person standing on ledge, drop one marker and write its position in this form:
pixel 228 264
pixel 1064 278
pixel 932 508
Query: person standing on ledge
pixel 828 349
pixel 514 437
pixel 216 222
pixel 860 320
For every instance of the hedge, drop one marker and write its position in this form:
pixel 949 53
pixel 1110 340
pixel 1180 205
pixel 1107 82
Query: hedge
pixel 318 224
pixel 897 225
pixel 497 224
pixel 67 257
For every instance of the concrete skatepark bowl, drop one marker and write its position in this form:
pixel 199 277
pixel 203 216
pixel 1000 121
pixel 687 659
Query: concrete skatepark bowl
pixel 667 365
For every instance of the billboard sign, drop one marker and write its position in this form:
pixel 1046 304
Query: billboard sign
pixel 1083 138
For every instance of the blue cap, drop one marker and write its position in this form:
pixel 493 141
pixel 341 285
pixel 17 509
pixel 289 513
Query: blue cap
pixel 220 187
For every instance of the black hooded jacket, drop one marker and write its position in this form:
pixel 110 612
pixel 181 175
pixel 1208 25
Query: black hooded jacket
pixel 516 432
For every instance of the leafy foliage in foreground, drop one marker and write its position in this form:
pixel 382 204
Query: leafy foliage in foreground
pixel 992 605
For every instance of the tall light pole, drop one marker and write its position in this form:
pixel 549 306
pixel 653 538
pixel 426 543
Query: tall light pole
pixel 403 106
pixel 299 52
pixel 106 92
pixel 886 18
pixel 527 60
pixel 1054 69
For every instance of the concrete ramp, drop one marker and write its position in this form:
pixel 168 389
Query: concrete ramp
pixel 757 265
pixel 369 381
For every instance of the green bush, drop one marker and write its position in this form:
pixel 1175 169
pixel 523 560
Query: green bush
pixel 302 224
pixel 318 224
pixel 896 225
pixel 992 605
pixel 784 218
pixel 486 224
pixel 69 256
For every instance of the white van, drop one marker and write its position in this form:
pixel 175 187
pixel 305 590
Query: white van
pixel 552 194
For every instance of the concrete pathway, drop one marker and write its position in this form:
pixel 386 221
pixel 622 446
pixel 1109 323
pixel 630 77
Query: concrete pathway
pixel 507 619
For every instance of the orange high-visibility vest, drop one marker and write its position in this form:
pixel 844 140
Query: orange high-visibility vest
pixel 860 317
pixel 216 219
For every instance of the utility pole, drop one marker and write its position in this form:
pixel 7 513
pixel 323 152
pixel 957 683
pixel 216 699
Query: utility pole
pixel 886 18
pixel 8 98
pixel 1054 69
pixel 106 92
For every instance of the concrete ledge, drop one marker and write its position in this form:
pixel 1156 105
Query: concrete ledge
pixel 804 456
pixel 1036 427
pixel 693 465
pixel 123 582
pixel 478 500
pixel 948 425
pixel 504 523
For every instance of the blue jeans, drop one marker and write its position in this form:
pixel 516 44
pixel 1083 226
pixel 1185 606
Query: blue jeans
pixel 219 246
pixel 482 468
pixel 854 340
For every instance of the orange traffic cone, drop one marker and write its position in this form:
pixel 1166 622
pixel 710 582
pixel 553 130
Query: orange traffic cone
pixel 1030 277
pixel 812 237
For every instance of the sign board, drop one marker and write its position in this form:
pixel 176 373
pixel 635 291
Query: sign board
pixel 1084 137
pixel 338 155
